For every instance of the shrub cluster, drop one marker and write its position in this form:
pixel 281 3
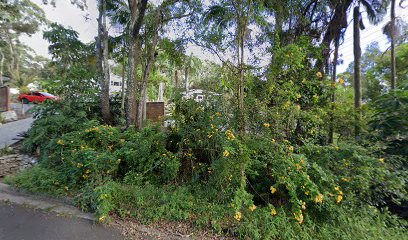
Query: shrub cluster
pixel 200 170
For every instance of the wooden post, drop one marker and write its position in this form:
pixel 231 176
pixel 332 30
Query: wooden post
pixel 4 99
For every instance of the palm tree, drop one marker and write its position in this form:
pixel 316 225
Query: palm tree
pixel 357 59
pixel 234 14
pixel 376 10
pixel 393 30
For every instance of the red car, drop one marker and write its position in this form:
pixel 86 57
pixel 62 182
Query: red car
pixel 35 97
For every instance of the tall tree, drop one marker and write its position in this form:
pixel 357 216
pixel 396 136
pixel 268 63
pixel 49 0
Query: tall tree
pixel 357 25
pixel 221 21
pixel 103 65
pixel 17 17
pixel 333 95
pixel 151 39
pixel 137 14
pixel 375 12
pixel 393 35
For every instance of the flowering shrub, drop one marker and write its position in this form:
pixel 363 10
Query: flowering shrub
pixel 280 176
pixel 211 153
pixel 85 156
pixel 363 176
pixel 144 157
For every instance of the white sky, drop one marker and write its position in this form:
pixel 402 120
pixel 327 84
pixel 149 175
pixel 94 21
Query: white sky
pixel 370 34
pixel 68 15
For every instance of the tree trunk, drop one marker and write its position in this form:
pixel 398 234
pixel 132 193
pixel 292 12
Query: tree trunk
pixel 1 68
pixel 176 79
pixel 133 83
pixel 122 96
pixel 103 63
pixel 146 74
pixel 241 80
pixel 137 13
pixel 393 35
pixel 14 65
pixel 333 96
pixel 186 73
pixel 357 68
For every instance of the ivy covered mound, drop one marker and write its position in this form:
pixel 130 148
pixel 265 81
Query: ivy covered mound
pixel 259 186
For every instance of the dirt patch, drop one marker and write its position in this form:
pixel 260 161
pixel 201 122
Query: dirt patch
pixel 134 230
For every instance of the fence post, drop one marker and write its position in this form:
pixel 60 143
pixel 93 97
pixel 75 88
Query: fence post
pixel 4 99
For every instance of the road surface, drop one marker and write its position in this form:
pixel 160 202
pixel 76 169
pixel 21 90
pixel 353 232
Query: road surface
pixel 9 132
pixel 22 223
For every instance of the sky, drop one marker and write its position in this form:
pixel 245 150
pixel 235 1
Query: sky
pixel 84 22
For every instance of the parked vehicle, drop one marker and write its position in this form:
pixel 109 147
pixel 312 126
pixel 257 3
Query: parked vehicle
pixel 35 97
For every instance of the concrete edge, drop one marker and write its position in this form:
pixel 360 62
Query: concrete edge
pixel 10 195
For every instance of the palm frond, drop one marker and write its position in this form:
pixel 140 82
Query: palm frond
pixel 376 9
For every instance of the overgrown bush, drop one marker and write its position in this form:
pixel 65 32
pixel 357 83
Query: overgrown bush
pixel 257 185
pixel 55 119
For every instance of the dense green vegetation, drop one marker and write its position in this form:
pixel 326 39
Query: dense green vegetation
pixel 281 152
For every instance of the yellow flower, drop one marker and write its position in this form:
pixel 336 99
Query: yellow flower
pixel 230 135
pixel 88 171
pixel 346 179
pixel 66 188
pixel 273 190
pixel 291 148
pixel 302 205
pixel 298 166
pixel 252 208
pixel 238 216
pixel 341 81
pixel 104 196
pixel 60 142
pixel 218 114
pixel 339 198
pixel 273 212
pixel 102 218
pixel 319 198
pixel 210 136
pixel 226 153
pixel 307 193
pixel 273 140
pixel 319 75
pixel 267 125
pixel 298 95
pixel 381 160
pixel 299 216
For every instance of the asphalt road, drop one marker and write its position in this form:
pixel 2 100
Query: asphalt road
pixel 21 223
pixel 10 131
